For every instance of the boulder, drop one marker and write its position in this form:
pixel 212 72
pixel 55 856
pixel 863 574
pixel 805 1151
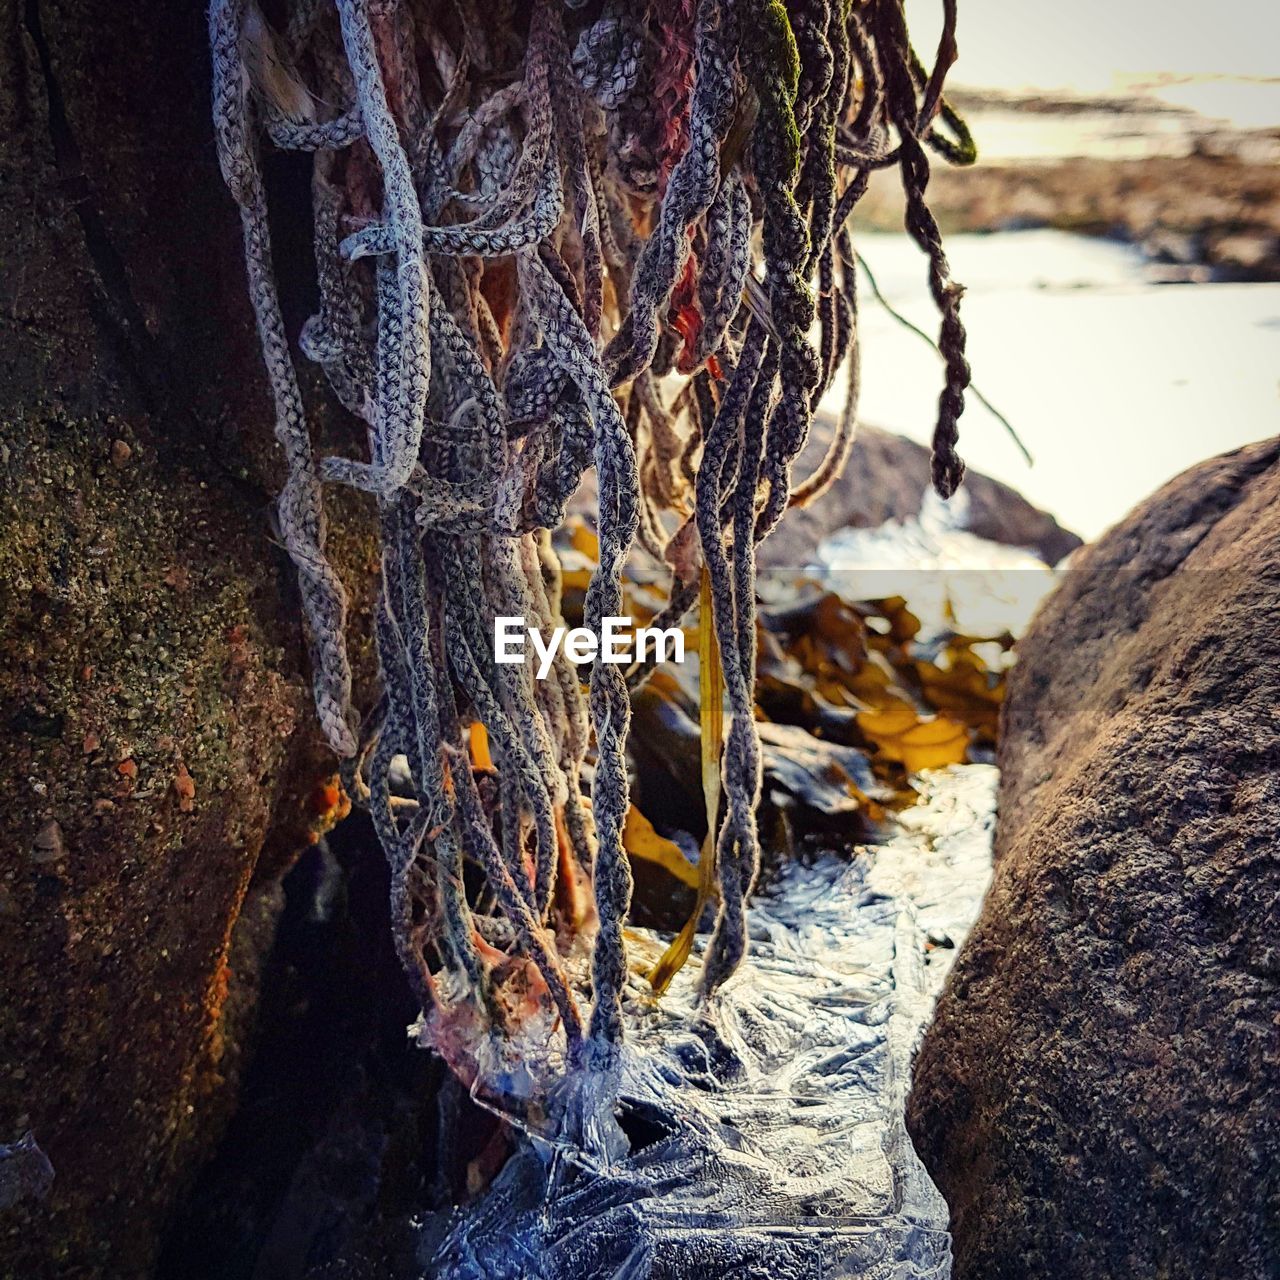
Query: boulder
pixel 156 724
pixel 886 479
pixel 1096 1096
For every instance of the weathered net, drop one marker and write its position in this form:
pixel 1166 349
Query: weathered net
pixel 548 237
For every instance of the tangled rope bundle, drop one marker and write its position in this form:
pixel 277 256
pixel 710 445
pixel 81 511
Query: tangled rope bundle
pixel 562 235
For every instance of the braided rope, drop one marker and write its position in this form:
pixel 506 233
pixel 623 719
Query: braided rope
pixel 300 507
pixel 517 238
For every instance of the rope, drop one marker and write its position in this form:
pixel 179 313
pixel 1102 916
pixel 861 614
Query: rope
pixel 547 242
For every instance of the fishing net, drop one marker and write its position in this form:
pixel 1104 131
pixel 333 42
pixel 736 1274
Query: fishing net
pixel 548 237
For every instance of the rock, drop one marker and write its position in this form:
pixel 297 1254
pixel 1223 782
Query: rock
pixel 135 435
pixel 1097 1094
pixel 48 846
pixel 1168 246
pixel 290 1183
pixel 886 479
pixel 1245 255
pixel 1217 207
pixel 25 1172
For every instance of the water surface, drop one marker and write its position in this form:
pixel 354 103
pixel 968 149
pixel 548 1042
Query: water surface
pixel 1116 383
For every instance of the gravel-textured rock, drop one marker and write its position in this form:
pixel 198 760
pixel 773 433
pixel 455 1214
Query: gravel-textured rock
pixel 156 737
pixel 1097 1095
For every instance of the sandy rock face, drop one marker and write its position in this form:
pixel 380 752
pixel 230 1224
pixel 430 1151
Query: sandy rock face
pixel 1097 1095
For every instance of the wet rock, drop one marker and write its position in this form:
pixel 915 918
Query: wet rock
pixel 1245 255
pixel 25 1171
pixel 1096 1096
pixel 886 479
pixel 1177 247
pixel 1217 206
pixel 318 1155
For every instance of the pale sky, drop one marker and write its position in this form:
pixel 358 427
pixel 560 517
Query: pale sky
pixel 1086 45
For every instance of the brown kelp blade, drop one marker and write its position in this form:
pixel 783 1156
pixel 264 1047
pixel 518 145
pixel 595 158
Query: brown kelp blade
pixel 711 714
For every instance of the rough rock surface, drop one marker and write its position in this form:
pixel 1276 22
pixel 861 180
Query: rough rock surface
pixel 156 732
pixel 1097 1094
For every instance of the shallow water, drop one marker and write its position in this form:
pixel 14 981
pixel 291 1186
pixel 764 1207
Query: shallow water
pixel 1115 383
pixel 951 579
pixel 772 1144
